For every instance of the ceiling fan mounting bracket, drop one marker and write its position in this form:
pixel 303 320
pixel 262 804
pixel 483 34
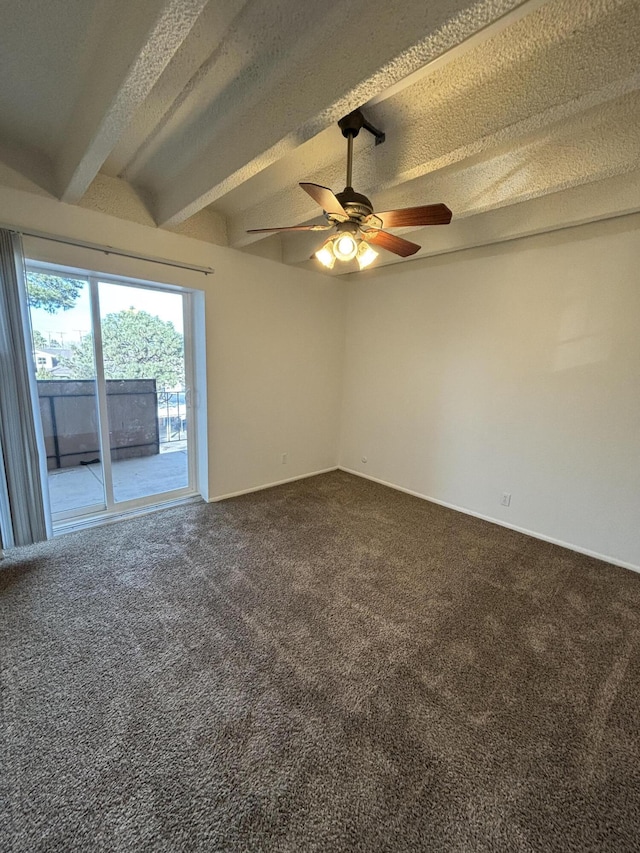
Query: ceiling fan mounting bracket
pixel 352 124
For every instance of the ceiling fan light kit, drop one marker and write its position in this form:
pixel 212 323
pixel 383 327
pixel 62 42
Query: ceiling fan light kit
pixel 353 217
pixel 345 247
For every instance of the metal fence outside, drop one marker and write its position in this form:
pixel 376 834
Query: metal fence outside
pixel 172 415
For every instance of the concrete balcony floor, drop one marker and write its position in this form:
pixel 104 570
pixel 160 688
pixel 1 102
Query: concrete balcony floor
pixel 81 486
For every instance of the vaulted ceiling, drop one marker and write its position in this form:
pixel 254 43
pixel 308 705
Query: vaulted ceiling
pixel 203 116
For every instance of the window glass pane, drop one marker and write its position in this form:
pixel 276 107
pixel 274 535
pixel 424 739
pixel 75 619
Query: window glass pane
pixel 144 365
pixel 64 365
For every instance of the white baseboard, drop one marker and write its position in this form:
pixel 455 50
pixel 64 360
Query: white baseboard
pixel 271 485
pixel 498 521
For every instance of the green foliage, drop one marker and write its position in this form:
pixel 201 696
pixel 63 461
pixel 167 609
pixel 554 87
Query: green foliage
pixel 135 345
pixel 51 292
pixel 43 373
pixel 39 339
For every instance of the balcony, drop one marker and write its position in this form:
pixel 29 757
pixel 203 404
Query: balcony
pixel 147 432
pixel 73 488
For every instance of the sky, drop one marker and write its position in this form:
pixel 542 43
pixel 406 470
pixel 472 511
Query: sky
pixel 67 327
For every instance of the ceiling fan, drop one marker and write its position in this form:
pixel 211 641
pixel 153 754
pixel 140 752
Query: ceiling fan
pixel 351 214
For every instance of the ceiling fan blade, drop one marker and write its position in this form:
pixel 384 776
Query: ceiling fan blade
pixel 325 198
pixel 397 245
pixel 428 214
pixel 291 228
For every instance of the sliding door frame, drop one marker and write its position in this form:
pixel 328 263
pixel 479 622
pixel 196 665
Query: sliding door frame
pixel 111 507
pixel 101 388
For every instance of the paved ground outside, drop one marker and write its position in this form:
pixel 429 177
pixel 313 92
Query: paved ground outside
pixel 73 488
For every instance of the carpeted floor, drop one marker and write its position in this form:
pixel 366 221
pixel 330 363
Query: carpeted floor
pixel 325 666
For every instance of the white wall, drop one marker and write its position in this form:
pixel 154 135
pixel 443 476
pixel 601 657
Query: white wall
pixel 274 339
pixel 513 368
pixel 275 353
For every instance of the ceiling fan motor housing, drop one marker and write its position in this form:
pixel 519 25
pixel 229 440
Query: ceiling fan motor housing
pixel 356 205
pixel 350 227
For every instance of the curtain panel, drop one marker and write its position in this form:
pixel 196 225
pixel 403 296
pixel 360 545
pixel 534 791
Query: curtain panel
pixel 23 519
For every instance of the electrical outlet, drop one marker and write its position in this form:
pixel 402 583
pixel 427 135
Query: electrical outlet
pixel 506 499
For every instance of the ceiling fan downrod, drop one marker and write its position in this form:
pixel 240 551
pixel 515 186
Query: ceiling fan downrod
pixel 350 126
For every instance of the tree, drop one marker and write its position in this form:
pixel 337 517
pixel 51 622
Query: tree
pixel 52 292
pixel 39 341
pixel 135 345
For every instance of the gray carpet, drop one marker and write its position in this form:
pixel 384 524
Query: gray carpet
pixel 325 666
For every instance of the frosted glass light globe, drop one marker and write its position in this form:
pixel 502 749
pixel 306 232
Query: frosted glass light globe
pixel 326 257
pixel 345 247
pixel 366 255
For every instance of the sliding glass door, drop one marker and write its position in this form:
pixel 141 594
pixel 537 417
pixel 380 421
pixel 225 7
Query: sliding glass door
pixel 146 391
pixel 61 322
pixel 112 360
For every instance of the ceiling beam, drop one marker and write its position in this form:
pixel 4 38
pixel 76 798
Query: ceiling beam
pixel 609 198
pixel 183 75
pixel 301 103
pixel 132 57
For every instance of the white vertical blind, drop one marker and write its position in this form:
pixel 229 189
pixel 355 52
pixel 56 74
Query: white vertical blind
pixel 23 519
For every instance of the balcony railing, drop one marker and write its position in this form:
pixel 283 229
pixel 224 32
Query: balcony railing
pixel 141 419
pixel 172 415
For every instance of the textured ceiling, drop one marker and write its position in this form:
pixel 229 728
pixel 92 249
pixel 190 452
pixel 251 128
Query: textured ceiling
pixel 41 84
pixel 206 115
